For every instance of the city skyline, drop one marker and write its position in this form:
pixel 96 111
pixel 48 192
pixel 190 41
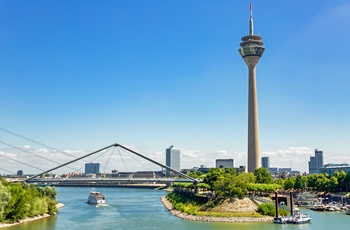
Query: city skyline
pixel 80 76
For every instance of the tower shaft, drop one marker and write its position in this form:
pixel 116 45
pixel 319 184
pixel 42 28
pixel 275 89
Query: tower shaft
pixel 253 127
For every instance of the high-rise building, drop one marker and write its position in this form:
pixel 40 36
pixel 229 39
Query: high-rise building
pixel 265 162
pixel 172 159
pixel 251 50
pixel 92 168
pixel 225 163
pixel 20 173
pixel 316 163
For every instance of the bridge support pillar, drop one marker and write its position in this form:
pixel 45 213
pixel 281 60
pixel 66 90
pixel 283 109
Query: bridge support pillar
pixel 168 184
pixel 195 187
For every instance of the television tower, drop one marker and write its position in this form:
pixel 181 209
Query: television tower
pixel 251 50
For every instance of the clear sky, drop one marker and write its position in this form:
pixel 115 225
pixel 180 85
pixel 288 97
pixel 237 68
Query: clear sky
pixel 81 75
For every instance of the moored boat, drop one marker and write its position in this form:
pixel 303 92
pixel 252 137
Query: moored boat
pixel 280 220
pixel 96 198
pixel 299 218
pixel 318 207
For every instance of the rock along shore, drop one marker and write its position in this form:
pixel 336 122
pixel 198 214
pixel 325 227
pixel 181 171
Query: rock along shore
pixel 182 215
pixel 59 205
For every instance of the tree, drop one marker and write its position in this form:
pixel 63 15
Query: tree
pixel 323 182
pixel 195 174
pixel 5 198
pixel 300 182
pixel 263 176
pixel 289 183
pixel 279 181
pixel 341 178
pixel 212 176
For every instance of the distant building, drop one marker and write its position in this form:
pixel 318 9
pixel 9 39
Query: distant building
pixel 331 168
pixel 283 170
pixel 172 159
pixel 265 162
pixel 92 168
pixel 225 163
pixel 273 170
pixel 295 172
pixel 20 173
pixel 316 162
pixel 241 169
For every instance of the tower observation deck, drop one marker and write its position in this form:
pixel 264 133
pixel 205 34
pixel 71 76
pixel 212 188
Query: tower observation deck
pixel 251 50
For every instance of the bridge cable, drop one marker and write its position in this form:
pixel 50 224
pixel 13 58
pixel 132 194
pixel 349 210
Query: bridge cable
pixel 36 142
pixel 33 154
pixel 20 162
pixel 7 171
pixel 108 159
pixel 137 160
pixel 121 157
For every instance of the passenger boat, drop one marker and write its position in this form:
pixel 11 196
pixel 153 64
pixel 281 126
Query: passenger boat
pixel 96 198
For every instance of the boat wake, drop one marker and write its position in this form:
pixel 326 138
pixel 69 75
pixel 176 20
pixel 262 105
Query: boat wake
pixel 102 205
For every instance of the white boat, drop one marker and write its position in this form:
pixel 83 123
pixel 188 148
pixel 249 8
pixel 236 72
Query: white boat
pixel 281 220
pixel 296 218
pixel 299 219
pixel 96 198
pixel 318 207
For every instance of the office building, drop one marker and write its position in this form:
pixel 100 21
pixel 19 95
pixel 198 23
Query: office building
pixel 20 173
pixel 225 163
pixel 251 50
pixel 172 159
pixel 265 162
pixel 92 168
pixel 316 162
pixel 241 169
pixel 331 168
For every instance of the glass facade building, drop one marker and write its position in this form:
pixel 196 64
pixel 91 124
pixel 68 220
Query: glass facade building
pixel 172 159
pixel 92 168
pixel 265 162
pixel 316 162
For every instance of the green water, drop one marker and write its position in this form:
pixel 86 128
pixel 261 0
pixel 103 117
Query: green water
pixel 128 209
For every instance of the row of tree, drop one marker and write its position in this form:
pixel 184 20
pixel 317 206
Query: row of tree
pixel 19 201
pixel 339 181
pixel 227 183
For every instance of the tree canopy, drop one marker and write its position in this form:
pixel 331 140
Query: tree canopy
pixel 19 201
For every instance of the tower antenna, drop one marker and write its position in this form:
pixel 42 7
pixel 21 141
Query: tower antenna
pixel 251 26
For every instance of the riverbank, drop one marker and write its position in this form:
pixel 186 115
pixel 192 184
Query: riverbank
pixel 59 205
pixel 182 215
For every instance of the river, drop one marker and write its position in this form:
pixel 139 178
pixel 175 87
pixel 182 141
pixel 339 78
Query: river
pixel 129 209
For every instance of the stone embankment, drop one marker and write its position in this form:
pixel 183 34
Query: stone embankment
pixel 182 215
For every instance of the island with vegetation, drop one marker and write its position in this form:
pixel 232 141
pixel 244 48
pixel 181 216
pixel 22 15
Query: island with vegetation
pixel 223 195
pixel 19 202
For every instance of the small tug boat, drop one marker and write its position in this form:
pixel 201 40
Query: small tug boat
pixel 96 198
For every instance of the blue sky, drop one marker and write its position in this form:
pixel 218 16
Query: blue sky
pixel 81 75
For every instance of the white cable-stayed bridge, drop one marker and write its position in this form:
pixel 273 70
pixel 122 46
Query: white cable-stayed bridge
pixel 99 180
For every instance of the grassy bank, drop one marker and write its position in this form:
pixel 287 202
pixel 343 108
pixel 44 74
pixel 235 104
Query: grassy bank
pixel 215 208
